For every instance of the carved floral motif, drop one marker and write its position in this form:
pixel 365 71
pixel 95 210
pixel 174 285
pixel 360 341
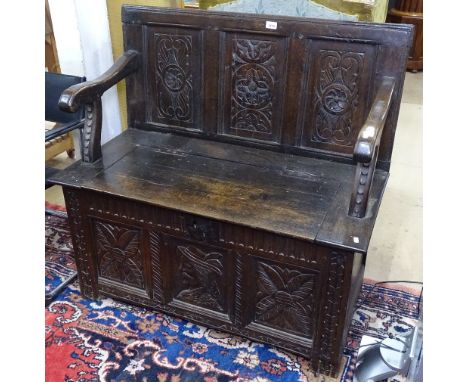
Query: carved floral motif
pixel 253 82
pixel 285 298
pixel 174 77
pixel 119 255
pixel 336 98
pixel 199 278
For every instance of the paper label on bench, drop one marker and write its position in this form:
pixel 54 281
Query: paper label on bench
pixel 271 25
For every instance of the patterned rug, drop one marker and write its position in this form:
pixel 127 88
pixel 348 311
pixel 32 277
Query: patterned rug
pixel 59 263
pixel 110 341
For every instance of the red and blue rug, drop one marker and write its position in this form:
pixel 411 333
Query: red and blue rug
pixel 59 263
pixel 110 341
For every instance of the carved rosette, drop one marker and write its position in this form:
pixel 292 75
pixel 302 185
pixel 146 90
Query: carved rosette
pixel 336 96
pixel 285 298
pixel 174 77
pixel 118 254
pixel 253 82
pixel 199 278
pixel 82 257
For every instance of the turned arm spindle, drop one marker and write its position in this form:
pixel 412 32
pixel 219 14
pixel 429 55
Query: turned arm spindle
pixel 366 150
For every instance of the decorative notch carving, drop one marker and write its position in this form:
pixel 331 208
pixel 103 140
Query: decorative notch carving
pixel 86 274
pixel 253 84
pixel 285 298
pixel 155 249
pixel 174 77
pixel 332 315
pixel 199 278
pixel 91 134
pixel 336 97
pixel 362 184
pixel 119 255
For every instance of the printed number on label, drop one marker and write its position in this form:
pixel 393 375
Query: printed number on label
pixel 271 25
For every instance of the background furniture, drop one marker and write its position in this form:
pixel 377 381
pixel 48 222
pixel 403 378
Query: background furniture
pixel 410 12
pixel 375 11
pixel 244 194
pixel 300 8
pixel 65 142
pixel 58 138
pixel 51 56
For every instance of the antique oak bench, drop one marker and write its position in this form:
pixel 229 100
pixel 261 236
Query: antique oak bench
pixel 244 193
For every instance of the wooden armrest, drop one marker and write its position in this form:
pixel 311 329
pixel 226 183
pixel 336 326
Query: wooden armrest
pixel 370 134
pixel 366 150
pixel 89 94
pixel 86 92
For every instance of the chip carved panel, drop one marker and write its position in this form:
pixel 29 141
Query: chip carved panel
pixel 198 277
pixel 174 77
pixel 253 82
pixel 118 252
pixel 285 298
pixel 337 96
pixel 253 87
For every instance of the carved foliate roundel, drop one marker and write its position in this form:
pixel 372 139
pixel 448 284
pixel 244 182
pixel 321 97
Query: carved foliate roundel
pixel 174 78
pixel 336 99
pixel 336 96
pixel 252 87
pixel 174 82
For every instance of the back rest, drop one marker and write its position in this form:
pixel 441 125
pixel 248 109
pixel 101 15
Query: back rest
pixel 55 84
pixel 303 86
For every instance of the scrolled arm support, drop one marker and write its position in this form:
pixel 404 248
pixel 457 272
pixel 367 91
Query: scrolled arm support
pixel 89 94
pixel 366 150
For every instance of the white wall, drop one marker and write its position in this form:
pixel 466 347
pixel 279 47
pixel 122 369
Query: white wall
pixel 81 30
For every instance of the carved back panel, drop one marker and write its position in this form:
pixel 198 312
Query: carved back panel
pixel 290 84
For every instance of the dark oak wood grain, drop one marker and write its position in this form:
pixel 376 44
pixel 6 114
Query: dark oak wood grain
pixel 244 193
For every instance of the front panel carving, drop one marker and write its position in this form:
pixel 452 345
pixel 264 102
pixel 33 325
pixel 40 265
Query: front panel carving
pixel 254 88
pixel 285 298
pixel 199 280
pixel 197 275
pixel 338 95
pixel 119 257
